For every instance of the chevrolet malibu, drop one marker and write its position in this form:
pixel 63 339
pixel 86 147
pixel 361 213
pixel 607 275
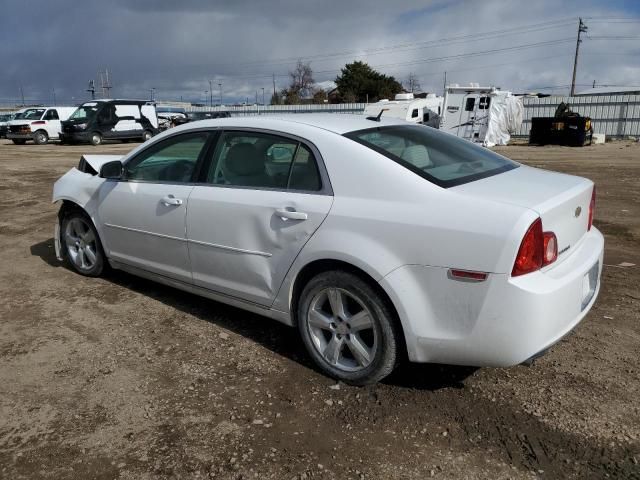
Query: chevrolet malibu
pixel 376 238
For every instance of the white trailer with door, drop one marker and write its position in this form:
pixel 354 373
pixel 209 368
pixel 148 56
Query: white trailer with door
pixel 484 115
pixel 426 111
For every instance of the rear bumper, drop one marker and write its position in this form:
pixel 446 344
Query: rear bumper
pixel 502 321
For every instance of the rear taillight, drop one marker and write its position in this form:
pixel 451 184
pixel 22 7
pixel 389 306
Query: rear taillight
pixel 39 122
pixel 537 250
pixel 592 207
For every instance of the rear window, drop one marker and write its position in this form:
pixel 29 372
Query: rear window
pixel 439 157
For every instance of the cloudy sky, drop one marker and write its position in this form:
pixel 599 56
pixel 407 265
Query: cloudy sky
pixel 178 46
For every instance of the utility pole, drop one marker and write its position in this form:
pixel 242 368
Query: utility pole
pixel 210 94
pixel 92 89
pixel 274 85
pixel 220 85
pixel 54 95
pixel 152 91
pixel 263 96
pixel 581 28
pixel 445 82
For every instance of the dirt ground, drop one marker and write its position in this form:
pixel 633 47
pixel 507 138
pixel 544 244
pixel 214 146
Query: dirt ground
pixel 119 377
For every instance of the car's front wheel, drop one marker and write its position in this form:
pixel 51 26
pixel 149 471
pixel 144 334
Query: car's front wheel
pixel 81 245
pixel 348 328
pixel 147 135
pixel 41 137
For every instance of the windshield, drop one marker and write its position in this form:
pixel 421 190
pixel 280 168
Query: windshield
pixel 85 112
pixel 31 114
pixel 439 157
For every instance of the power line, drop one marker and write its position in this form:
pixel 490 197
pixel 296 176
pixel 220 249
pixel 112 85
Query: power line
pixel 427 60
pixel 414 45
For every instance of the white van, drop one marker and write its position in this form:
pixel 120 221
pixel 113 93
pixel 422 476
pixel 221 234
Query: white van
pixel 39 124
pixel 416 110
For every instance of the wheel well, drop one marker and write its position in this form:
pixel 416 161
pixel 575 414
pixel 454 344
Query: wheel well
pixel 319 266
pixel 41 130
pixel 69 206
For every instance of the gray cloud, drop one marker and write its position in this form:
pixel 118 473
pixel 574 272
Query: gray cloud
pixel 176 47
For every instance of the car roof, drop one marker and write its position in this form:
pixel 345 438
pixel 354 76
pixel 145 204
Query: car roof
pixel 336 123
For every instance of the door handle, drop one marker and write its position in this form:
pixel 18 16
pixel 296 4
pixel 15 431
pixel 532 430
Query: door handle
pixel 291 214
pixel 171 200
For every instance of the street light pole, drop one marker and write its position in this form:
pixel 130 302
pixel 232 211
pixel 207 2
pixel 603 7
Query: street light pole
pixel 263 97
pixel 220 85
pixel 210 94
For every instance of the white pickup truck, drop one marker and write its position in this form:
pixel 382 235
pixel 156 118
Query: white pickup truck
pixel 39 124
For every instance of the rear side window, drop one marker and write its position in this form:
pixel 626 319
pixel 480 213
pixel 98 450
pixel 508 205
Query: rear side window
pixel 261 160
pixel 469 104
pixel 439 157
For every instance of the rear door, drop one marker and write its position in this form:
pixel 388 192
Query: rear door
pixel 262 198
pixel 143 217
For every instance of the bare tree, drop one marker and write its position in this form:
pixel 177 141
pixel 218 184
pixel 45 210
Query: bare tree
pixel 301 79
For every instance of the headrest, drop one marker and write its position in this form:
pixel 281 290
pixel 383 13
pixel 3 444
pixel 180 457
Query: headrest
pixel 244 159
pixel 417 155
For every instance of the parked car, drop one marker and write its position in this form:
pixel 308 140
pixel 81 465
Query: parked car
pixel 39 124
pixel 4 123
pixel 99 120
pixel 197 116
pixel 377 239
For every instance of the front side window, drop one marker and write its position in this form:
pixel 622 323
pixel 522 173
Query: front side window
pixel 173 160
pixel 51 115
pixel 414 113
pixel 441 158
pixel 247 159
pixel 469 104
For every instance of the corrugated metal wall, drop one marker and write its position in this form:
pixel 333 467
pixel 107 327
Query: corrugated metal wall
pixel 279 109
pixel 614 115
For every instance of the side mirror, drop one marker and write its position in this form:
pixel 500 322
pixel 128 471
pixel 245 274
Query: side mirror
pixel 112 170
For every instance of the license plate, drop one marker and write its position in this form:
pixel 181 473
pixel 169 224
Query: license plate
pixel 589 283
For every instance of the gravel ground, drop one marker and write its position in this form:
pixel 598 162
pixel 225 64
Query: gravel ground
pixel 120 377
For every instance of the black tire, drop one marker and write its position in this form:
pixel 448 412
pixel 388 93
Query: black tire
pixel 96 138
pixel 18 141
pixel 90 267
pixel 147 135
pixel 41 137
pixel 385 346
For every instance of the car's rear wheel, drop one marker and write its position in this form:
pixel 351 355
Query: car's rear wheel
pixel 40 137
pixel 81 245
pixel 18 141
pixel 348 328
pixel 147 135
pixel 96 138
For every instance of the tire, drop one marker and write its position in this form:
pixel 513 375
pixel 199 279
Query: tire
pixel 96 139
pixel 147 135
pixel 41 137
pixel 18 141
pixel 80 244
pixel 347 328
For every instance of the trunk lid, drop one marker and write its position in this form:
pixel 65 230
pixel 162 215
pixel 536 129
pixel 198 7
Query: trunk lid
pixel 561 200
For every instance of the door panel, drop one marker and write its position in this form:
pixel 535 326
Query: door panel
pixel 143 224
pixel 240 245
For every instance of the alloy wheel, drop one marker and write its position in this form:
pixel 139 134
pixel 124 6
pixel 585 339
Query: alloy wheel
pixel 81 244
pixel 342 329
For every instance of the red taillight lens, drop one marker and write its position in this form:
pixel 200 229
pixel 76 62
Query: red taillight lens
pixel 39 122
pixel 592 207
pixel 530 254
pixel 550 248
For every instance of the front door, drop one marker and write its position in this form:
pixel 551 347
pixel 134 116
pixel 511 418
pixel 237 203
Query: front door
pixel 143 216
pixel 264 198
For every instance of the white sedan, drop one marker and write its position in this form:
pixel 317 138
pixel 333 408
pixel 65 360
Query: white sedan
pixel 378 239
